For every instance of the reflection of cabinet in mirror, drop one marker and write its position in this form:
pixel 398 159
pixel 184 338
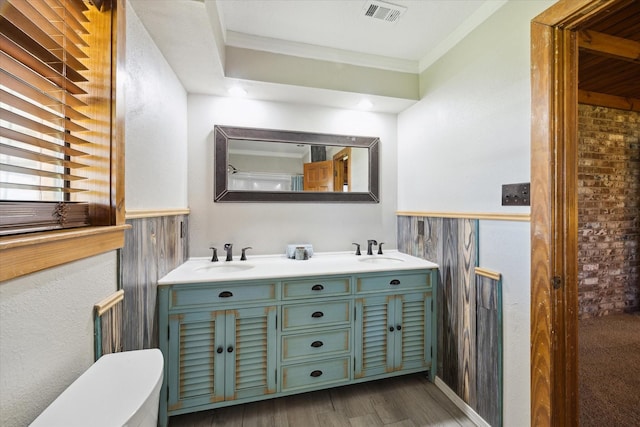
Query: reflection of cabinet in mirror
pixel 332 175
pixel 342 170
pixel 318 176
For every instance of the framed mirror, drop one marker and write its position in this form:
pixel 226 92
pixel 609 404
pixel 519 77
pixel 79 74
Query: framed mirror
pixel 266 165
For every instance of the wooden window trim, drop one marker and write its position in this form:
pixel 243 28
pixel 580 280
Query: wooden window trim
pixel 28 253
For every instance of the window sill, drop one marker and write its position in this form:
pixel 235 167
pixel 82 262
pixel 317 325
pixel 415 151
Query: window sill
pixel 28 253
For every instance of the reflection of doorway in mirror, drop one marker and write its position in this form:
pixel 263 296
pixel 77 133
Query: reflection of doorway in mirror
pixel 342 170
pixel 318 176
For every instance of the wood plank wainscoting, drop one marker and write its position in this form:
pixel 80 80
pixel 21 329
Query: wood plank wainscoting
pixel 451 241
pixel 489 345
pixel 452 244
pixel 107 325
pixel 156 244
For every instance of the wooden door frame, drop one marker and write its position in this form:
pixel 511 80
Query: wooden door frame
pixel 338 158
pixel 554 210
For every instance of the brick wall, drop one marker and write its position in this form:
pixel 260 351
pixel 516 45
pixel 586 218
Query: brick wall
pixel 608 211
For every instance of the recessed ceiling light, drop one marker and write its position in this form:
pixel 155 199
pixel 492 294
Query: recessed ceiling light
pixel 237 91
pixel 365 104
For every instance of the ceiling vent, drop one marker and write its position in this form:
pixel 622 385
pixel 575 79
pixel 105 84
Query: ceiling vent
pixel 383 11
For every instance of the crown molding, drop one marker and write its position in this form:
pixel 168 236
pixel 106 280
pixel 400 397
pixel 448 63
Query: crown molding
pixel 303 50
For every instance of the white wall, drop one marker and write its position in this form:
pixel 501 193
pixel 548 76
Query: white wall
pixel 155 125
pixel 46 333
pixel 468 135
pixel 46 323
pixel 505 247
pixel 269 227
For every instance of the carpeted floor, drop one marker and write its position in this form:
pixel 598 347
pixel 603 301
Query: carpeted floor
pixel 609 371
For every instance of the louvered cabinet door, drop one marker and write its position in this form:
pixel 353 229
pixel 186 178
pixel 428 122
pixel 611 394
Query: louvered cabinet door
pixel 374 342
pixel 196 371
pixel 392 333
pixel 250 366
pixel 412 331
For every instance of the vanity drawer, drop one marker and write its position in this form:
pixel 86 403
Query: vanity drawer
pixel 313 374
pixel 189 296
pixel 315 344
pixel 329 313
pixel 316 288
pixel 393 282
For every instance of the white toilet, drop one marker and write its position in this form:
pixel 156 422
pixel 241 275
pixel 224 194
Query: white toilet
pixel 120 389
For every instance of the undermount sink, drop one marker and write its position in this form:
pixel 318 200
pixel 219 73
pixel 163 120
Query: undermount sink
pixel 279 266
pixel 382 260
pixel 225 268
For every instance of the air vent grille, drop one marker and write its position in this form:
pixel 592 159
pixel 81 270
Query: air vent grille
pixel 383 11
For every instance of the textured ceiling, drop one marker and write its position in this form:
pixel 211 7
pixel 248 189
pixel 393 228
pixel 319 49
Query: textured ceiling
pixel 194 34
pixel 341 24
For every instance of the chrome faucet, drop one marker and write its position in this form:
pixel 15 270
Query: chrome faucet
pixel 369 244
pixel 229 248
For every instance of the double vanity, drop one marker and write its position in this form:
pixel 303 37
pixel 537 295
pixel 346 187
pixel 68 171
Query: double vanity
pixel 240 331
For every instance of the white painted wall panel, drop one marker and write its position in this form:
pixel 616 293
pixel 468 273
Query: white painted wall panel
pixel 269 227
pixel 474 117
pixel 504 247
pixel 155 125
pixel 46 333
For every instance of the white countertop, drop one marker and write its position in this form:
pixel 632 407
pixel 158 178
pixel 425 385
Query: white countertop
pixel 198 270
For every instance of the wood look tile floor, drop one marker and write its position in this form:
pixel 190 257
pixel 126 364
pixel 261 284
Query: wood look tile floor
pixel 406 401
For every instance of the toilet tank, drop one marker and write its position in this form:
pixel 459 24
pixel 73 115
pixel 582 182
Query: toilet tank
pixel 120 389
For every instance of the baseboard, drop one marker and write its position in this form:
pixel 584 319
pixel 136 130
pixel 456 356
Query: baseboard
pixel 466 409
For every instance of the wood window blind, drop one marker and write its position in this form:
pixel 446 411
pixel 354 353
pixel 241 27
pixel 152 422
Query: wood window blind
pixel 44 140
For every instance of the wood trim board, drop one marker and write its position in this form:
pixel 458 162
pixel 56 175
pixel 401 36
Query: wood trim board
pixel 524 217
pixel 151 213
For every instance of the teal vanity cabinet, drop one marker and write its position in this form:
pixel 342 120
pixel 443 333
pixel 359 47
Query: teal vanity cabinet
pixel 220 342
pixel 316 333
pixel 239 332
pixel 394 324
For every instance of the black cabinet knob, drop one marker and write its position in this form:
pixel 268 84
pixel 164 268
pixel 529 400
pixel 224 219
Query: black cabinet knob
pixel 230 349
pixel 317 314
pixel 399 327
pixel 317 344
pixel 219 350
pixel 391 329
pixel 316 373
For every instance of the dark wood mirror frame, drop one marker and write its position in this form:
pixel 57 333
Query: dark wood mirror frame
pixel 223 134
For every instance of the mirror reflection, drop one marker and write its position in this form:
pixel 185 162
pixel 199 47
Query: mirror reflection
pixel 277 166
pixel 266 165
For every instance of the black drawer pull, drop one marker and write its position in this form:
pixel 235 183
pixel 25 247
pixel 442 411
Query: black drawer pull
pixel 399 327
pixel 317 314
pixel 230 349
pixel 391 329
pixel 225 294
pixel 317 344
pixel 219 350
pixel 316 374
pixel 317 287
pixel 394 282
